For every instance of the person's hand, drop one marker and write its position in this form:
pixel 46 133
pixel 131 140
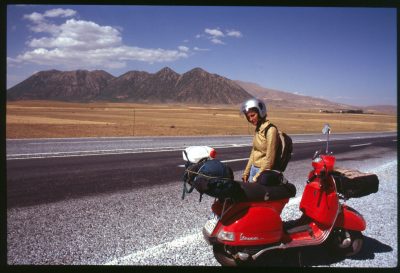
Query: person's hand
pixel 245 178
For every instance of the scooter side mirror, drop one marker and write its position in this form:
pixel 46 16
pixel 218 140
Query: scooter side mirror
pixel 326 129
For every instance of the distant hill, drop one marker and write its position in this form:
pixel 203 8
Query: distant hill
pixel 387 109
pixel 276 98
pixel 194 86
pixel 281 99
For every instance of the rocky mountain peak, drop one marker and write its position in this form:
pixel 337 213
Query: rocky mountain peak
pixel 165 71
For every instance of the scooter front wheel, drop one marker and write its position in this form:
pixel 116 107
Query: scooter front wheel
pixel 345 243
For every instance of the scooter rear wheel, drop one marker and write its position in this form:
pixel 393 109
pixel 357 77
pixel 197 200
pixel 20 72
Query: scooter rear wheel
pixel 339 248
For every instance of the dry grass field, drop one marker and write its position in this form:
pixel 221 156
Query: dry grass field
pixel 48 119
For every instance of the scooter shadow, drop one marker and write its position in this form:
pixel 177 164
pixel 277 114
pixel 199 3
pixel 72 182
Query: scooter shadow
pixel 319 255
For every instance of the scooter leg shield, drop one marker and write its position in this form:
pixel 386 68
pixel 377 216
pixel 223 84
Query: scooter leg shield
pixel 350 219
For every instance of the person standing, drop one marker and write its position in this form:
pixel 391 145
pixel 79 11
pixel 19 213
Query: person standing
pixel 265 145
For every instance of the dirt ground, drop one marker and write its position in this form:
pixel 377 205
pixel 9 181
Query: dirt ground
pixel 48 119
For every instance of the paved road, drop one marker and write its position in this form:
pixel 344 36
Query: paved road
pixel 68 147
pixel 41 180
pixel 111 209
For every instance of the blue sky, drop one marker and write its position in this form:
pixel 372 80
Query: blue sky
pixel 347 55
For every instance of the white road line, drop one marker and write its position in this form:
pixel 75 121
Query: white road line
pixel 127 151
pixel 90 153
pixel 86 142
pixel 156 250
pixel 83 152
pixel 224 161
pixel 359 145
pixel 107 152
pixel 234 160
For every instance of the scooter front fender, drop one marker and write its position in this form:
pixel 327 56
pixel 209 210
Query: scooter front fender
pixel 350 219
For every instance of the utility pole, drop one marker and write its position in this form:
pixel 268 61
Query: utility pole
pixel 133 124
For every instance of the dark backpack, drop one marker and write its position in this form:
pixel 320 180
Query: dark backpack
pixel 284 151
pixel 211 177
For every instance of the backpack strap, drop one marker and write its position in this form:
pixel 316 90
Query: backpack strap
pixel 267 128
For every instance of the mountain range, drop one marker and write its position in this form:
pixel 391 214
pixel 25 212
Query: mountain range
pixel 196 86
pixel 165 86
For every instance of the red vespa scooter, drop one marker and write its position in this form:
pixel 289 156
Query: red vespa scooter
pixel 241 232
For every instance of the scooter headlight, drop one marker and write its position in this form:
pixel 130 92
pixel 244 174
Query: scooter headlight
pixel 317 160
pixel 226 236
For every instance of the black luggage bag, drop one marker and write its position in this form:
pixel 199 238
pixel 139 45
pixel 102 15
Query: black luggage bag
pixel 353 183
pixel 215 179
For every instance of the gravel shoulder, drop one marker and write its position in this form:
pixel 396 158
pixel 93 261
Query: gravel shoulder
pixel 153 226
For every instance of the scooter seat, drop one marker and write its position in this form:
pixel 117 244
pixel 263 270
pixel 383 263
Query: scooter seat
pixel 258 192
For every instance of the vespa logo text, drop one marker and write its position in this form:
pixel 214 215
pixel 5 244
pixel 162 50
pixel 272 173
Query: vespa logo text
pixel 245 238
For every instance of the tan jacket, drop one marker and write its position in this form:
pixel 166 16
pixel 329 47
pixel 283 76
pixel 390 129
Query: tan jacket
pixel 264 150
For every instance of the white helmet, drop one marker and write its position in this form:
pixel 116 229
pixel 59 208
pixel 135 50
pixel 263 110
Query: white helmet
pixel 255 103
